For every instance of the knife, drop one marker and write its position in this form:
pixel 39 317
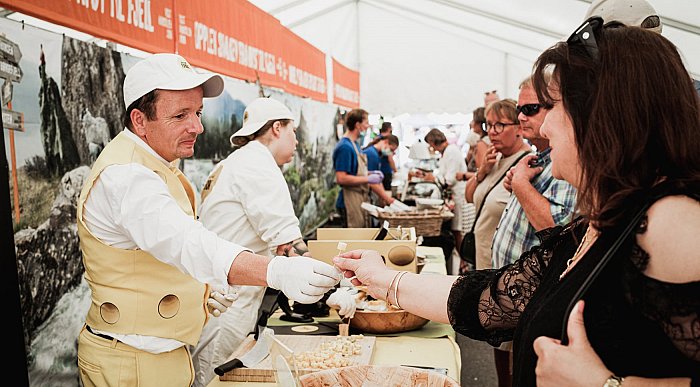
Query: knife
pixel 260 350
pixel 260 336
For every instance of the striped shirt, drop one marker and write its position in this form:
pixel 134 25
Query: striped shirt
pixel 514 234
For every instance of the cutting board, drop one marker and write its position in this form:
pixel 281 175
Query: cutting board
pixel 264 371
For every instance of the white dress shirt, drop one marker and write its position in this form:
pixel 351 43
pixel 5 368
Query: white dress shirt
pixel 250 202
pixel 130 207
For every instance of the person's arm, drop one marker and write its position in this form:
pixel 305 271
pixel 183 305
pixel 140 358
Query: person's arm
pixel 426 176
pixel 346 179
pixel 392 163
pixel 488 160
pixel 536 206
pixel 480 152
pixel 264 196
pixel 470 188
pixel 141 203
pixel 378 189
pixel 577 364
pixel 371 271
pixel 671 242
pixel 293 248
pixel 477 304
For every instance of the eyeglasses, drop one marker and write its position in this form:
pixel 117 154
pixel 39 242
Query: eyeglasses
pixel 585 36
pixel 490 92
pixel 529 109
pixel 499 126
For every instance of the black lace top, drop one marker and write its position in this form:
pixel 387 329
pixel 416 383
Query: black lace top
pixel 636 324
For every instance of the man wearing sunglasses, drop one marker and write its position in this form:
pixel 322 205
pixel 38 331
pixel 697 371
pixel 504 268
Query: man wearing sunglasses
pixel 539 200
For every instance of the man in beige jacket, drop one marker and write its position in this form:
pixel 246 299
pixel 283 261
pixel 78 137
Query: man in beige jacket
pixel 148 261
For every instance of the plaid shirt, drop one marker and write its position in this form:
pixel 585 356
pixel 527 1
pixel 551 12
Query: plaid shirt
pixel 514 234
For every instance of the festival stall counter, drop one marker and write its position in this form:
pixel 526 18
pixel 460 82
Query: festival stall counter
pixel 432 345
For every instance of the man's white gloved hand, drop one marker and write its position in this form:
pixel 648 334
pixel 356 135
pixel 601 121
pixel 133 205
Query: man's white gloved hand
pixel 219 301
pixel 342 300
pixel 302 279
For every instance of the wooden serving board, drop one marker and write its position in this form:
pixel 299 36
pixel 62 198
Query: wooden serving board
pixel 264 371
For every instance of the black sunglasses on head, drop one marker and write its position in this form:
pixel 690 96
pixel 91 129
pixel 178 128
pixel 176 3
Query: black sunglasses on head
pixel 585 36
pixel 529 109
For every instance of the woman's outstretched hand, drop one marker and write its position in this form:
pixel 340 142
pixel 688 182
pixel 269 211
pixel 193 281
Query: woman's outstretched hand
pixel 365 267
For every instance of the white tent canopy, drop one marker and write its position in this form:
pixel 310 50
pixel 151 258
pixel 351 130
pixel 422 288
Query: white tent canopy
pixel 439 56
pixel 422 56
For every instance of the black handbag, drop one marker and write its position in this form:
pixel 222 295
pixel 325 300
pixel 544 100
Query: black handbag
pixel 467 250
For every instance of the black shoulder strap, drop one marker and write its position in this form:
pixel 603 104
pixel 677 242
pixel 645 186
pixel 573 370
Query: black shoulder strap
pixel 525 153
pixel 663 189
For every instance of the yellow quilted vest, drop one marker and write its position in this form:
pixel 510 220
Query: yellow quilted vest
pixel 132 291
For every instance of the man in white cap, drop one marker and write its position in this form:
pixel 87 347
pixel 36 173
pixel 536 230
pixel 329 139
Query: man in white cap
pixel 638 13
pixel 246 199
pixel 147 260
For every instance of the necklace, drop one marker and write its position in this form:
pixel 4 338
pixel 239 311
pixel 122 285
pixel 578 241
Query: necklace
pixel 588 238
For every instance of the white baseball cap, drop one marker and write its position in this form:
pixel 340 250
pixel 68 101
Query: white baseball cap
pixel 627 12
pixel 259 112
pixel 167 72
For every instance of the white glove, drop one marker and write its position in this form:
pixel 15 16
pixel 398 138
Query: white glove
pixel 219 301
pixel 342 300
pixel 301 279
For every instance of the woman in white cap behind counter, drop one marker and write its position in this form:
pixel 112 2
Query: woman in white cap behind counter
pixel 246 199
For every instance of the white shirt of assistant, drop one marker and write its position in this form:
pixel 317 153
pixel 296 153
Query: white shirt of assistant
pixel 451 162
pixel 250 202
pixel 130 207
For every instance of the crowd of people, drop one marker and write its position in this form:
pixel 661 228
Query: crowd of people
pixel 583 192
pixel 603 215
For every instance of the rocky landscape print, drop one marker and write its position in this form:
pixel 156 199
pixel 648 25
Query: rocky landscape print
pixel 72 100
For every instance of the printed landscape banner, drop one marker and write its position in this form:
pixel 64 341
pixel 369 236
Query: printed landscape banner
pixel 70 95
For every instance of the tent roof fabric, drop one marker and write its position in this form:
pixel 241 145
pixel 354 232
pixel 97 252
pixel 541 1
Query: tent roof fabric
pixel 422 56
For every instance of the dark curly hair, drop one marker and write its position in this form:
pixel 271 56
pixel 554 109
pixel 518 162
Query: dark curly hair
pixel 635 116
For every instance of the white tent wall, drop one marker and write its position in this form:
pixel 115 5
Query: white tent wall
pixel 405 65
pixel 422 66
pixel 441 55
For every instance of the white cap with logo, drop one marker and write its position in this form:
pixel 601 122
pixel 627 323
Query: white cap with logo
pixel 167 72
pixel 627 12
pixel 259 112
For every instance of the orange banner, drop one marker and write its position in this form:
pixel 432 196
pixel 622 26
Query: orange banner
pixel 346 86
pixel 230 37
pixel 242 41
pixel 143 24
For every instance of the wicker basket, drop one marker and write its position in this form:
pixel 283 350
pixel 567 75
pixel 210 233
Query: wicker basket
pixel 426 222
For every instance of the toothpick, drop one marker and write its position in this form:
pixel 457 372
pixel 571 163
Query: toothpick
pixel 341 249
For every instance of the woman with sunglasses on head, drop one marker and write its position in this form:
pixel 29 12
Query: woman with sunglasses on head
pixel 623 125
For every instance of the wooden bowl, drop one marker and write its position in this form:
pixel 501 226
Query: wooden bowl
pixel 379 376
pixel 387 321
